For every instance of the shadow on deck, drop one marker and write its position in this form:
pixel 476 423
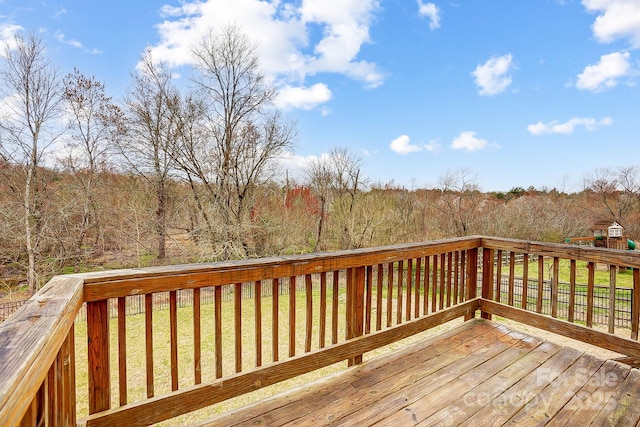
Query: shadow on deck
pixel 480 373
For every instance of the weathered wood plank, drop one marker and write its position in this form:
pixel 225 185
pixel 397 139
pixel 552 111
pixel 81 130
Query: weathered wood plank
pixel 30 341
pixel 295 404
pixel 546 404
pixel 592 397
pixel 438 397
pixel 623 408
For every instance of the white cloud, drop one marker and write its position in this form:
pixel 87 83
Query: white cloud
pixel 492 77
pixel 569 126
pixel 287 35
pixel 402 145
pixel 467 140
pixel 8 35
pixel 616 19
pixel 431 11
pixel 306 98
pixel 604 74
pixel 61 38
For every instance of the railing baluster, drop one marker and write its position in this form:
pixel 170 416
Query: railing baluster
pixel 148 334
pixel 197 338
pixel 389 293
pixel 613 269
pixel 434 285
pixel 635 304
pixel 308 283
pixel 237 320
pixel 416 298
pixel 456 277
pixel 368 306
pixel 409 292
pixel 540 297
pixel 379 287
pixel 590 286
pixel 122 350
pixel 334 306
pixel 449 277
pixel 292 316
pixel 257 298
pixel 173 332
pixel 400 292
pixel 572 291
pixel 275 309
pixel 525 281
pixel 45 402
pixel 323 310
pixel 69 373
pixel 498 275
pixel 426 277
pixel 355 306
pixel 512 274
pixel 217 313
pixel 463 276
pixel 555 282
pixel 442 281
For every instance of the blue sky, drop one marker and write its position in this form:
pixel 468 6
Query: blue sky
pixel 521 93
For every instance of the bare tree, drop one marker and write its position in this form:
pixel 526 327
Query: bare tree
pixel 31 93
pixel 612 191
pixel 459 202
pixel 336 180
pixel 152 133
pixel 321 180
pixel 96 124
pixel 245 134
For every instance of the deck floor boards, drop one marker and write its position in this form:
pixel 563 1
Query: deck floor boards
pixel 480 373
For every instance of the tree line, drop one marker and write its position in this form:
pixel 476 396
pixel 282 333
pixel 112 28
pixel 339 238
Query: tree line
pixel 171 174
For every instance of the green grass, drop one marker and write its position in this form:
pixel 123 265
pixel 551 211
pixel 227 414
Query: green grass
pixel 624 277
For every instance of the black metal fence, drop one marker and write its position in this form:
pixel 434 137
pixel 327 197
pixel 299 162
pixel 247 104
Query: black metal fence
pixel 623 298
pixel 135 304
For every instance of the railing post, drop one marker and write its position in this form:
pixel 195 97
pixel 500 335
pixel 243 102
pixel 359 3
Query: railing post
pixel 356 278
pixel 487 278
pixel 472 278
pixel 98 357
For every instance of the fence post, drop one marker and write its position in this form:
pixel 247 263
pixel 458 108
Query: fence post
pixel 472 278
pixel 356 278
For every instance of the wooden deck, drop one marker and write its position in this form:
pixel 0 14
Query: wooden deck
pixel 480 373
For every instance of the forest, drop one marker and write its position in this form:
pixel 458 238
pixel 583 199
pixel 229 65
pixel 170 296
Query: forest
pixel 172 175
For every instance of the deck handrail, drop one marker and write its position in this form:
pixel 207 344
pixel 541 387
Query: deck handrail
pixel 430 283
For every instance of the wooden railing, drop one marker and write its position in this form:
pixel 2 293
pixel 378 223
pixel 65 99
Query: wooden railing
pixel 304 313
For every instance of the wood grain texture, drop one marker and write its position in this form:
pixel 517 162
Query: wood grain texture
pixel 30 341
pixel 481 375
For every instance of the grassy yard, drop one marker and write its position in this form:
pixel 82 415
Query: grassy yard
pixel 624 278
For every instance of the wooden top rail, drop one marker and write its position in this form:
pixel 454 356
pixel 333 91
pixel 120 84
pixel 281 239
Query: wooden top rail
pixel 118 283
pixel 621 258
pixel 30 341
